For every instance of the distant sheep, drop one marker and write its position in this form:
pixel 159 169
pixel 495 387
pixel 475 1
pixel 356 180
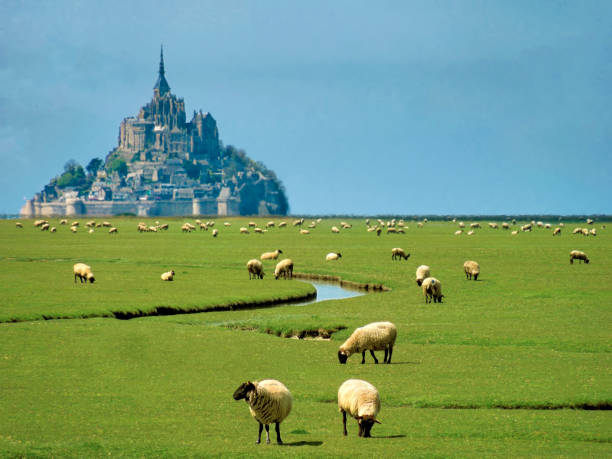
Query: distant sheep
pixel 377 336
pixel 255 269
pixel 432 290
pixel 168 276
pixel 284 268
pixel 271 255
pixel 269 402
pixel 243 230
pixel 333 256
pixel 398 253
pixel 112 231
pixel 422 272
pixel 505 226
pixel 471 269
pixel 304 231
pixel 334 229
pixel 514 233
pixel 493 226
pixel 215 232
pixel 19 225
pixel 470 232
pixel 83 272
pixel 282 224
pixel 556 231
pixel 458 232
pixel 578 255
pixel 361 400
pixel 475 225
pixel 45 227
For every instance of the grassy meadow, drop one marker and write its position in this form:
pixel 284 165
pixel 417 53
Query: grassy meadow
pixel 517 363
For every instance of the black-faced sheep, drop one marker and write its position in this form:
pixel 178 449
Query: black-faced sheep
pixel 578 255
pixel 398 253
pixel 83 272
pixel 432 290
pixel 361 400
pixel 472 269
pixel 271 255
pixel 168 276
pixel 255 269
pixel 284 268
pixel 377 336
pixel 333 256
pixel 269 402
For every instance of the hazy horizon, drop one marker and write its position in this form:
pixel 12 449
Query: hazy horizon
pixel 398 108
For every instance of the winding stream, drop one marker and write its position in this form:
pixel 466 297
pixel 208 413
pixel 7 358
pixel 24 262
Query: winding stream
pixel 329 291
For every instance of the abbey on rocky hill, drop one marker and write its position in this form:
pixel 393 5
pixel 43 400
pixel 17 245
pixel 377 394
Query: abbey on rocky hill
pixel 164 165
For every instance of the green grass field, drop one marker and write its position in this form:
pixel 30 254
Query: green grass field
pixel 515 364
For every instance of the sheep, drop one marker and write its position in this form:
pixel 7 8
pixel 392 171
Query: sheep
pixel 282 224
pixel 255 269
pixel 556 231
pixel 227 224
pixel 215 232
pixel 271 255
pixel 514 233
pixel 90 231
pixel 83 272
pixel 73 229
pixel 493 225
pixel 63 222
pixel 526 227
pixel 472 269
pixel 577 231
pixel 165 226
pixel 432 290
pixel 113 230
pixel 589 221
pixel 333 256
pixel 270 224
pixel 304 231
pixel 45 227
pixel 461 225
pixel 377 336
pixel 259 230
pixel 203 227
pixel 38 223
pixel 593 232
pixel 578 255
pixel 585 231
pixel 243 230
pixel 378 231
pixel 334 229
pixel 505 226
pixel 252 224
pixel 458 232
pixel 106 224
pixel 474 225
pixel 398 253
pixel 168 276
pixel 361 400
pixel 470 232
pixel 422 272
pixel 284 268
pixel 18 225
pixel 53 229
pixel 74 223
pixel 269 402
pixel 186 228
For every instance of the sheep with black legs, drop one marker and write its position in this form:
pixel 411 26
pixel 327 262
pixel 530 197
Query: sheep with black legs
pixel 361 400
pixel 578 255
pixel 398 253
pixel 168 276
pixel 271 255
pixel 255 269
pixel 471 269
pixel 83 272
pixel 377 336
pixel 432 290
pixel 269 402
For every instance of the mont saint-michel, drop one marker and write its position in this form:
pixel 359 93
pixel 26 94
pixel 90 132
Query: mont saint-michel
pixel 164 165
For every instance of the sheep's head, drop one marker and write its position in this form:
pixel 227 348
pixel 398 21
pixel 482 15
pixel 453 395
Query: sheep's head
pixel 91 278
pixel 243 390
pixel 586 260
pixel 339 255
pixel 280 251
pixel 343 356
pixel 419 282
pixel 365 425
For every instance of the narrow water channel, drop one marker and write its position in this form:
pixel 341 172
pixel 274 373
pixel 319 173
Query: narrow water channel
pixel 329 291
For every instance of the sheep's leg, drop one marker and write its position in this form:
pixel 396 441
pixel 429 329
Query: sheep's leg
pixel 363 357
pixel 373 356
pixel 259 435
pixel 390 353
pixel 267 433
pixel 278 437
pixel 344 423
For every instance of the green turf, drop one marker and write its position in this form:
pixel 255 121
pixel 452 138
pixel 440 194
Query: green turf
pixel 505 366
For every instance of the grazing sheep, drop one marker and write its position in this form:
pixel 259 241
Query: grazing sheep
pixel 75 223
pixel 168 276
pixel 270 224
pixel 215 232
pixel 470 232
pixel 585 231
pixel 577 231
pixel 514 233
pixel 304 231
pixel 361 400
pixel 271 255
pixel 90 231
pixel 53 229
pixel 106 224
pixel 505 226
pixel 259 230
pixel 334 229
pixel 422 272
pixel 493 226
pixel 556 231
pixel 203 227
pixel 19 225
pixel 282 224
pixel 461 225
pixel 432 290
pixel 298 222
pixel 398 253
pixel 113 230
pixel 475 225
pixel 377 336
pixel 269 402
pixel 63 222
pixel 165 226
pixel 252 224
pixel 458 232
pixel 527 227
pixel 593 232
pixel 589 221
pixel 255 269
pixel 45 227
pixel 73 229
pixel 244 230
pixel 578 255
pixel 83 272
pixel 333 256
pixel 227 224
pixel 186 228
pixel 284 268
pixel 472 269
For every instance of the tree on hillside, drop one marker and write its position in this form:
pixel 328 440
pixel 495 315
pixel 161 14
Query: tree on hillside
pixel 94 166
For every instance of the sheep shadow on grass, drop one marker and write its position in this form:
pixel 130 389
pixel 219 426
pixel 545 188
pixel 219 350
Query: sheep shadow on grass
pixel 304 443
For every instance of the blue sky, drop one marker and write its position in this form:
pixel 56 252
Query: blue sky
pixel 360 107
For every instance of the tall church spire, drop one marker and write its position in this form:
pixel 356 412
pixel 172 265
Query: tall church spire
pixel 161 86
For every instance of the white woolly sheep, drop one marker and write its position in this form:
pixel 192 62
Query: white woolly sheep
pixel 361 400
pixel 458 232
pixel 505 226
pixel 19 225
pixel 577 231
pixel 284 268
pixel 270 224
pixel 255 269
pixel 53 229
pixel 227 224
pixel 377 336
pixel 589 221
pixel 432 290
pixel 471 269
pixel 334 229
pixel 83 272
pixel 244 230
pixel 304 231
pixel 593 232
pixel 252 224
pixel 215 232
pixel 475 225
pixel 168 276
pixel 333 256
pixel 271 255
pixel 45 227
pixel 461 225
pixel 422 272
pixel 493 226
pixel 556 231
pixel 113 230
pixel 470 232
pixel 398 253
pixel 73 229
pixel 514 233
pixel 585 231
pixel 578 255
pixel 269 402
pixel 63 222
pixel 282 224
